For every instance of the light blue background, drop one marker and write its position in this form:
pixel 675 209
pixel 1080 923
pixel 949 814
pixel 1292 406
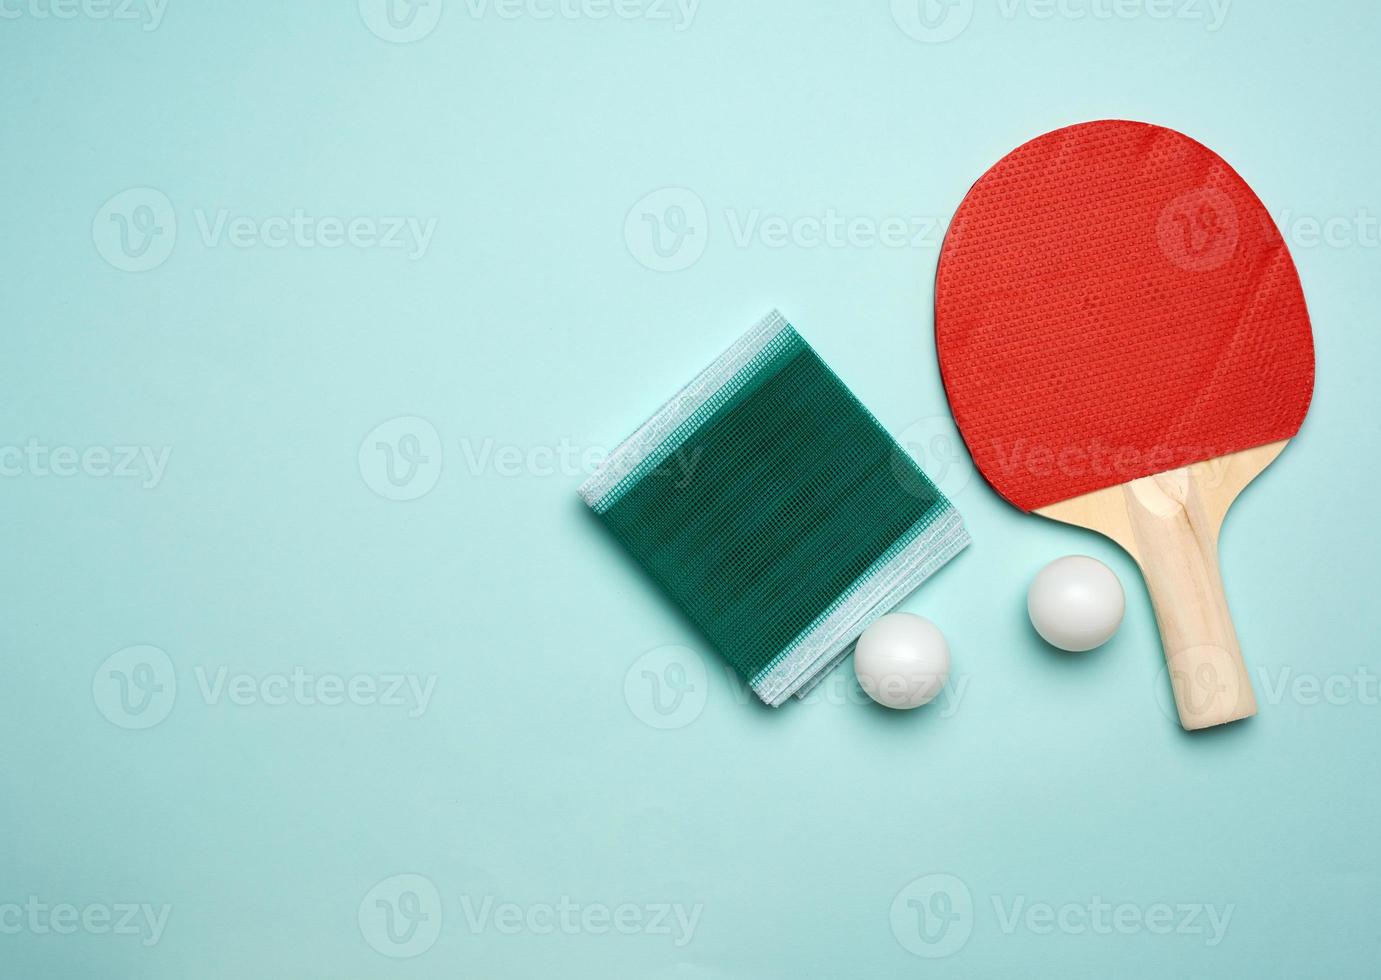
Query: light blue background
pixel 533 775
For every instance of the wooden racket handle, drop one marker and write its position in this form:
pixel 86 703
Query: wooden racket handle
pixel 1174 523
pixel 1169 523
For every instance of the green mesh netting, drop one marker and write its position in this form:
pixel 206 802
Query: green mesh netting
pixel 773 508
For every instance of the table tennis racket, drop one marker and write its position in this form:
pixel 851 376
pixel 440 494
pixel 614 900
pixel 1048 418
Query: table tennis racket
pixel 1125 346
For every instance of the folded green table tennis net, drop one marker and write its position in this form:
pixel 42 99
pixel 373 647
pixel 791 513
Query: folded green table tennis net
pixel 775 510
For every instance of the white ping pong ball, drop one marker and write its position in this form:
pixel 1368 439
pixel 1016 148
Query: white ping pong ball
pixel 1076 603
pixel 902 661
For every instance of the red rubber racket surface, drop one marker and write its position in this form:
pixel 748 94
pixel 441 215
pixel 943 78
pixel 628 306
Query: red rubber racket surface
pixel 1113 301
